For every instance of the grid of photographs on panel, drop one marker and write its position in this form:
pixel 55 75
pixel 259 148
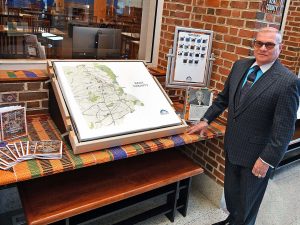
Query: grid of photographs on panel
pixel 191 61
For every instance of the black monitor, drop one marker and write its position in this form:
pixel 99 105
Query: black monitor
pixel 96 43
pixel 108 43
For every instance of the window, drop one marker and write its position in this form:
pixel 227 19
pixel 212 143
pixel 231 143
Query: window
pixel 89 29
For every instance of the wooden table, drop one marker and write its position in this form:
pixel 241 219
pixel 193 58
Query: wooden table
pixel 82 195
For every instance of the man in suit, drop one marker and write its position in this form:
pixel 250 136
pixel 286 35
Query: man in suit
pixel 198 100
pixel 262 100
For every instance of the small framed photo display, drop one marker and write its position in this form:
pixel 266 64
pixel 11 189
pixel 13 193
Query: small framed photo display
pixel 190 63
pixel 197 102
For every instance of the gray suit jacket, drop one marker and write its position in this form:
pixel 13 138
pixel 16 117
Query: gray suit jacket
pixel 262 125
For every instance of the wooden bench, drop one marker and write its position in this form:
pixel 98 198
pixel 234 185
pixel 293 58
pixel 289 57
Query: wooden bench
pixel 83 194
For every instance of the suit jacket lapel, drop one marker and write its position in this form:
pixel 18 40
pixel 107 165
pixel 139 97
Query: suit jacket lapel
pixel 240 74
pixel 260 86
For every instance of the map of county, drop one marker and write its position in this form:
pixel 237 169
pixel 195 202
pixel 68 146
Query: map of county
pixel 102 101
pixel 111 98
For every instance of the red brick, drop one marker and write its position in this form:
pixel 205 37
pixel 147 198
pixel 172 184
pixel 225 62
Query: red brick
pixel 182 15
pixel 246 33
pixel 220 29
pixel 221 20
pixel 199 10
pixel 37 111
pixel 218 174
pixel 188 8
pixel 166 12
pixel 235 22
pixel 233 31
pixel 45 104
pixel 230 48
pixel 242 51
pixel 33 86
pixel 239 5
pixel 216 77
pixel 211 154
pixel 220 160
pixel 35 104
pixel 210 161
pixel 197 24
pixel 184 1
pixel 248 15
pixel 199 160
pixel 11 87
pixel 232 39
pixel 208 26
pixel 210 19
pixel 170 6
pixel 224 71
pixel 29 96
pixel 254 5
pixel 221 168
pixel 224 4
pixel 223 12
pixel 212 3
pixel 251 24
pixel 236 14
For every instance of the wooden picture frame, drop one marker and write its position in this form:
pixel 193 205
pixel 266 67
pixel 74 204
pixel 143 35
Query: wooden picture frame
pixel 80 144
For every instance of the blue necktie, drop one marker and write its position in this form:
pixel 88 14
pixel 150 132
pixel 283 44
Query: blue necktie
pixel 250 80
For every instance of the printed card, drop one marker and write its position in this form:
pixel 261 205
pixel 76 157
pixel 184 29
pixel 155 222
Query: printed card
pixel 48 147
pixel 13 150
pixel 19 148
pixel 4 166
pixel 31 147
pixel 6 159
pixel 13 122
pixel 8 153
pixel 24 145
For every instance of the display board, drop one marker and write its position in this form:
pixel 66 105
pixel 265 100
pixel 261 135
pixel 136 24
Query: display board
pixel 112 98
pixel 189 62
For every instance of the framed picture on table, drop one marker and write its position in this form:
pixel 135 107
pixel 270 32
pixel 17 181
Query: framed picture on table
pixel 197 102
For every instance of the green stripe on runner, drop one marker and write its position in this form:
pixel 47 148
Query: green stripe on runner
pixel 34 168
pixel 111 156
pixel 138 149
pixel 11 74
pixel 76 158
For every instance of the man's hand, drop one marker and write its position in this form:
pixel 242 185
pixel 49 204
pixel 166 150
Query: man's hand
pixel 260 168
pixel 200 128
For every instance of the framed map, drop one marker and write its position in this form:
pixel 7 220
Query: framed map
pixel 111 98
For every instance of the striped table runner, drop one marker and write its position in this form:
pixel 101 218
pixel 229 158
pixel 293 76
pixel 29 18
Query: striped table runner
pixel 23 75
pixel 43 128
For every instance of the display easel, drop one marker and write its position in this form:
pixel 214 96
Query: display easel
pixel 190 60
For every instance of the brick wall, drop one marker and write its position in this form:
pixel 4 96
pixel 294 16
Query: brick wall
pixel 33 95
pixel 290 55
pixel 234 24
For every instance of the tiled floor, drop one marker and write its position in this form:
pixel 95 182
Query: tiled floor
pixel 281 205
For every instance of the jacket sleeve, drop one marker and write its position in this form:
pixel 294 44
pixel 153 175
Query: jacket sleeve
pixel 220 103
pixel 285 116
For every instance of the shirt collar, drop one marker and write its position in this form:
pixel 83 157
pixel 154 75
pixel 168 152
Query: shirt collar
pixel 264 68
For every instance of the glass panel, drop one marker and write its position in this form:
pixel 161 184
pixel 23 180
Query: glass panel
pixel 66 29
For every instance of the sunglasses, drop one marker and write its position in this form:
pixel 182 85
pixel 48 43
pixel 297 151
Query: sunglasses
pixel 268 45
